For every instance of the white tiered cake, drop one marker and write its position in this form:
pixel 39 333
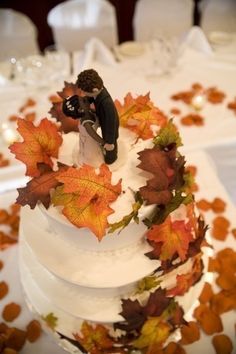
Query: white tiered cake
pixel 89 283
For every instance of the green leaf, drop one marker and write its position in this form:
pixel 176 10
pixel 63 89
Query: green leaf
pixel 147 283
pixel 51 320
pixel 168 135
pixel 127 219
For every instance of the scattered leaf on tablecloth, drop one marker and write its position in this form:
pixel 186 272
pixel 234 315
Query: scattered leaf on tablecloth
pixel 210 322
pixel 190 333
pixel 174 237
pixel 30 102
pixel 206 293
pixel 222 344
pixel 11 311
pixel 41 143
pixel 95 339
pixel 15 338
pixel 174 348
pixel 232 105
pixel 175 111
pixel 226 280
pixel 51 320
pixel 214 95
pixel 4 161
pixel 203 204
pixel 213 265
pixel 192 119
pixel 224 301
pixel 1 264
pixel 220 227
pixel 3 289
pixel 218 205
pixel 234 233
pixel 33 331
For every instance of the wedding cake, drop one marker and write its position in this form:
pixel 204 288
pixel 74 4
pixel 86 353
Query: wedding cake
pixel 108 252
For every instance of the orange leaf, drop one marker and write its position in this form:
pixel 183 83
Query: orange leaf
pixel 33 331
pixel 224 301
pixel 174 348
pixel 234 233
pixel 226 280
pixel 192 119
pixel 220 228
pixel 203 204
pixel 3 289
pixel 174 236
pixel 206 293
pixel 40 144
pixel 94 338
pixel 222 344
pixel 11 312
pixel 214 95
pixel 190 333
pixel 91 186
pixel 218 205
pixel 209 321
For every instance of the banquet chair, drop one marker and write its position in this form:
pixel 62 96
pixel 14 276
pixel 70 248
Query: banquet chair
pixel 218 15
pixel 74 22
pixel 18 35
pixel 161 18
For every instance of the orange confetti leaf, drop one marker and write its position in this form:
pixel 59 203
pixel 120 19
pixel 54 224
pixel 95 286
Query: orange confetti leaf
pixel 175 111
pixel 209 321
pixel 11 312
pixel 33 331
pixel 206 293
pixel 192 119
pixel 218 205
pixel 224 301
pixel 214 95
pixel 190 333
pixel 40 144
pixel 220 228
pixel 174 348
pixel 3 289
pixel 222 344
pixel 203 204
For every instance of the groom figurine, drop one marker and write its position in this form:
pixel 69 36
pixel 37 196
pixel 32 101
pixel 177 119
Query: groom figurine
pixel 91 85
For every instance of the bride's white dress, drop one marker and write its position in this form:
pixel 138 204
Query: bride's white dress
pixel 87 151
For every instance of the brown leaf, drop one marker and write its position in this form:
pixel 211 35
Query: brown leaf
pixel 222 344
pixel 190 333
pixel 3 289
pixel 33 331
pixel 1 265
pixel 224 301
pixel 15 338
pixel 11 312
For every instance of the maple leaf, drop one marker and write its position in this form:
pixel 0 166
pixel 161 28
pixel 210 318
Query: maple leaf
pixel 91 186
pixel 67 124
pixel 167 136
pixel 143 122
pixel 135 314
pixel 175 238
pixel 167 171
pixel 153 334
pixel 86 215
pixel 147 283
pixel 38 188
pixel 51 320
pixel 95 339
pixel 185 281
pixel 40 144
pixel 68 90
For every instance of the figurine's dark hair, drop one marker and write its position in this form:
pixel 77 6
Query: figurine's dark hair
pixel 88 80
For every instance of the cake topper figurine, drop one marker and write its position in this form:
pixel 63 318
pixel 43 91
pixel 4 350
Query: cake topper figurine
pixel 105 115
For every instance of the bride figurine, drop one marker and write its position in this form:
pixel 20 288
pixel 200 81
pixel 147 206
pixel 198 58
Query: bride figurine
pixel 93 148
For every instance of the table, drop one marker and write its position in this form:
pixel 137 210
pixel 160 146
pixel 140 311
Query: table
pixel 211 148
